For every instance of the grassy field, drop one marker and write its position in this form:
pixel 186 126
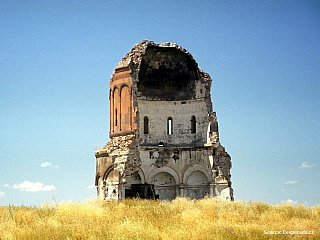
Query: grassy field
pixel 146 219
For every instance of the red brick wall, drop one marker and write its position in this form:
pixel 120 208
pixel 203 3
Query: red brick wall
pixel 121 107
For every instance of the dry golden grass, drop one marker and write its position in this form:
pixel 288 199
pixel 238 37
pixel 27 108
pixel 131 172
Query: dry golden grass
pixel 146 219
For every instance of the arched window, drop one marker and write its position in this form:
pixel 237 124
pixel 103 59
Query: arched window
pixel 193 124
pixel 146 125
pixel 169 126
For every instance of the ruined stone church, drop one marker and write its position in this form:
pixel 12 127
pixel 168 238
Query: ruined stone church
pixel 164 137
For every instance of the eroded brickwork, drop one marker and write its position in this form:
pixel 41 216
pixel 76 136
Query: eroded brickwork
pixel 163 131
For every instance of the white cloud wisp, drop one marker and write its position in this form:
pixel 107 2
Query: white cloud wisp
pixel 306 165
pixel 91 186
pixel 289 201
pixel 33 187
pixel 290 182
pixel 48 164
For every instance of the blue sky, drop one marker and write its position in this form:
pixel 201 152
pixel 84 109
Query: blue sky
pixel 57 58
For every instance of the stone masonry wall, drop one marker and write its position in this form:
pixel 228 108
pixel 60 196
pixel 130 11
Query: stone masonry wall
pixel 163 130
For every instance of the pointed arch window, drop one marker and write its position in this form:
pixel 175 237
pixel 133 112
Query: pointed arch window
pixel 193 124
pixel 146 125
pixel 169 126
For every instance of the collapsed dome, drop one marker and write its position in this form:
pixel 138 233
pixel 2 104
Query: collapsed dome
pixel 163 71
pixel 167 73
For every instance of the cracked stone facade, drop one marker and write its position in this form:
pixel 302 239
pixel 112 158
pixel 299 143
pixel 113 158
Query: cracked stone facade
pixel 163 130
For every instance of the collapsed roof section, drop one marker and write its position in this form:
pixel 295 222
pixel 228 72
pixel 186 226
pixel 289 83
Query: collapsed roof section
pixel 163 71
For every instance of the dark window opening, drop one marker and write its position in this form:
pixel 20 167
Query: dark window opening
pixel 169 126
pixel 146 125
pixel 193 124
pixel 116 121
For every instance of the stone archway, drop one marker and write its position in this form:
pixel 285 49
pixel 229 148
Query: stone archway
pixel 164 186
pixel 135 179
pixel 110 184
pixel 197 185
pixel 197 167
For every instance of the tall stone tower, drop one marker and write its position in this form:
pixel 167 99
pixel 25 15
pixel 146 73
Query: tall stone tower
pixel 163 131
